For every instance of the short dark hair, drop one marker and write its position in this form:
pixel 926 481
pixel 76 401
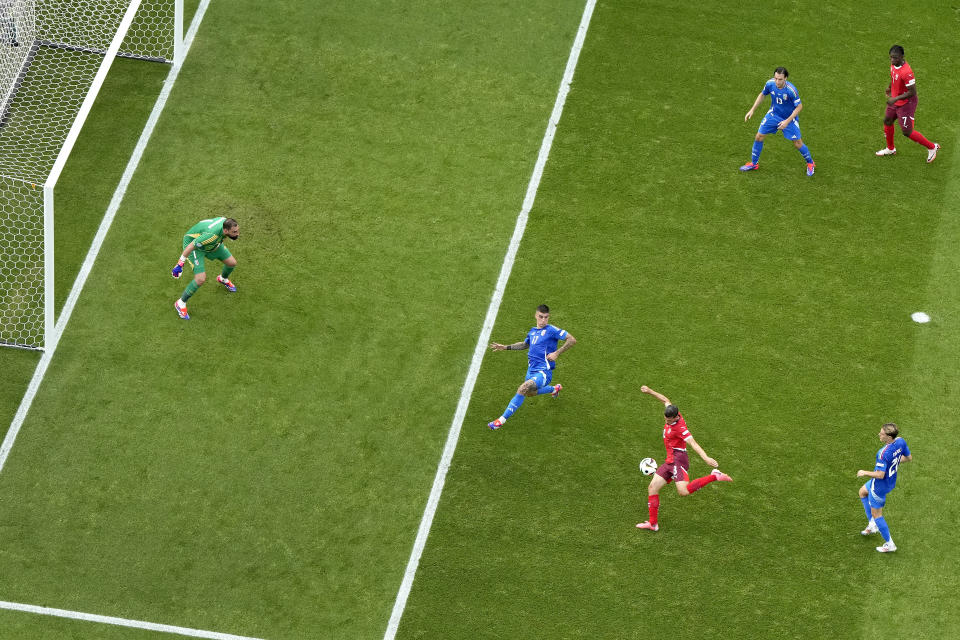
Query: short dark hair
pixel 671 411
pixel 783 70
pixel 897 49
pixel 543 309
pixel 891 429
pixel 229 223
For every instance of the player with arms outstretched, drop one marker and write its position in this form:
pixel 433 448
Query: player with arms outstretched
pixel 785 107
pixel 883 479
pixel 676 437
pixel 542 342
pixel 902 105
pixel 205 240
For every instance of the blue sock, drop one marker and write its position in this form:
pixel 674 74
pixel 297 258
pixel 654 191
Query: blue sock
pixel 543 390
pixel 514 405
pixel 866 507
pixel 805 153
pixel 884 529
pixel 755 154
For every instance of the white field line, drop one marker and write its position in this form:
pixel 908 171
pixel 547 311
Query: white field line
pixel 120 622
pixel 105 224
pixel 483 340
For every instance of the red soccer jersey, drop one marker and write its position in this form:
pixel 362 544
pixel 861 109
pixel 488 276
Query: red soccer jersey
pixel 901 78
pixel 675 436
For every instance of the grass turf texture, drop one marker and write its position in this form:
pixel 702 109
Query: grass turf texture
pixel 262 469
pixel 774 309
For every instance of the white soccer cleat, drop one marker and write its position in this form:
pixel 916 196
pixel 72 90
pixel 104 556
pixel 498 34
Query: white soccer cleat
pixel 888 152
pixel 932 153
pixel 648 526
pixel 721 476
pixel 870 530
pixel 888 547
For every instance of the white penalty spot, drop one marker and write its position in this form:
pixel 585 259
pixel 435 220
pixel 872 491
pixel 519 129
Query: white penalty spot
pixel 920 316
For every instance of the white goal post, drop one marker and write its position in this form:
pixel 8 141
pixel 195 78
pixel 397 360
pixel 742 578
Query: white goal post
pixel 54 57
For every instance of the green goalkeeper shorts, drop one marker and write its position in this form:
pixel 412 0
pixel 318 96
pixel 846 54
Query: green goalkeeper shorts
pixel 197 257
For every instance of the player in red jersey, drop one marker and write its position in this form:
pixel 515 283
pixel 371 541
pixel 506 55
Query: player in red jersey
pixel 902 105
pixel 676 437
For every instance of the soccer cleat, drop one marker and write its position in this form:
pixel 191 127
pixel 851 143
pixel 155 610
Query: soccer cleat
pixel 496 424
pixel 887 547
pixel 647 525
pixel 887 152
pixel 721 476
pixel 932 153
pixel 870 530
pixel 226 282
pixel 181 308
pixel 557 388
pixel 750 166
pixel 810 167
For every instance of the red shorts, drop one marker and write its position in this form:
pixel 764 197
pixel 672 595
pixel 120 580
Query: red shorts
pixel 675 471
pixel 906 110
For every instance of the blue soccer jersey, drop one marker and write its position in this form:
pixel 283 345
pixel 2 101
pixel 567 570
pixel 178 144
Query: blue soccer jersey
pixel 542 342
pixel 888 461
pixel 782 101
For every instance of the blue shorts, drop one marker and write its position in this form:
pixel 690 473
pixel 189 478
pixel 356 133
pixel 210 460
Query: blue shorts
pixel 541 376
pixel 875 500
pixel 771 122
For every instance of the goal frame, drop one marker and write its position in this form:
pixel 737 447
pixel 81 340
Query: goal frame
pixel 50 329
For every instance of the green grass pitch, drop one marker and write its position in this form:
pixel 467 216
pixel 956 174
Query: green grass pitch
pixel 262 469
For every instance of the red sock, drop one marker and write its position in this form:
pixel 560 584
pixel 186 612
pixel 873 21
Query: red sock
pixel 700 482
pixel 653 506
pixel 916 136
pixel 888 132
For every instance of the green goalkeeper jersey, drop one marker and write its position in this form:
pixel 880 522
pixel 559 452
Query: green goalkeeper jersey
pixel 207 235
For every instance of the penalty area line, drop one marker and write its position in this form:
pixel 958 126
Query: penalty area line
pixel 121 622
pixel 454 435
pixel 38 374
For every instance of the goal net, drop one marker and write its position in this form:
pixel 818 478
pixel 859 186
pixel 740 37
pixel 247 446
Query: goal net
pixel 54 56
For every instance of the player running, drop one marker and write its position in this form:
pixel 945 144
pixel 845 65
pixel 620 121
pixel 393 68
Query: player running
pixel 542 342
pixel 873 494
pixel 902 105
pixel 205 240
pixel 676 437
pixel 785 106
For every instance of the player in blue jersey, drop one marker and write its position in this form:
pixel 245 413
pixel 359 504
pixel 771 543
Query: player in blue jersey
pixel 883 479
pixel 542 342
pixel 785 106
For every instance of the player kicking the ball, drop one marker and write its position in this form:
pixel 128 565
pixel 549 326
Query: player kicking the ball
pixel 205 240
pixel 676 437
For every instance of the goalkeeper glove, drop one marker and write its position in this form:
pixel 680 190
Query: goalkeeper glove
pixel 177 270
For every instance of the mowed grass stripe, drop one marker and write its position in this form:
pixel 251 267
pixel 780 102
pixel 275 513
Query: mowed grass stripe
pixel 263 467
pixel 483 340
pixel 922 510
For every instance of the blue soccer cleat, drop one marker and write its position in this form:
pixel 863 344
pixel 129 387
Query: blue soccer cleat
pixel 226 282
pixel 750 166
pixel 496 424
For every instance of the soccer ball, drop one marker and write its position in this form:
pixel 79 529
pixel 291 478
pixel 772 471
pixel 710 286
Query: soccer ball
pixel 648 466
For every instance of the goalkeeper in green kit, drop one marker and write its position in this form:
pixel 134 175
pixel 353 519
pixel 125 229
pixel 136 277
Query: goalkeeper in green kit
pixel 205 240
